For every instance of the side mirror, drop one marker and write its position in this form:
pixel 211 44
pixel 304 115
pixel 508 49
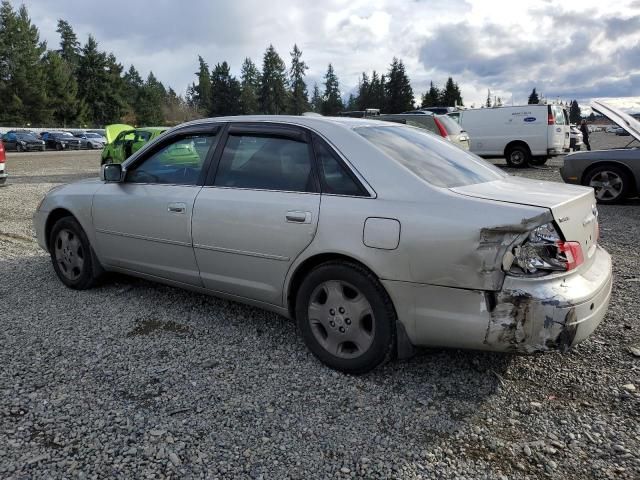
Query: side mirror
pixel 111 172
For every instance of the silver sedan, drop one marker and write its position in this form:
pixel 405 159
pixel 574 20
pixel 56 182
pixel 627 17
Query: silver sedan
pixel 374 237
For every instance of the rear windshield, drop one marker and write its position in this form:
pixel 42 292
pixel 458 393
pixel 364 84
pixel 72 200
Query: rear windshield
pixel 435 160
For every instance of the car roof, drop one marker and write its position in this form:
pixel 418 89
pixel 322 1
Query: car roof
pixel 304 121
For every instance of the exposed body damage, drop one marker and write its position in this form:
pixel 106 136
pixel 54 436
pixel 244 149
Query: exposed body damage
pixel 495 244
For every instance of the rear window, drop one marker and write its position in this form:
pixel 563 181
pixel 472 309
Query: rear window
pixel 558 115
pixel 436 161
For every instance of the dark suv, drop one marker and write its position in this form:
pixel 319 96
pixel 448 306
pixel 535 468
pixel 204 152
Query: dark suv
pixel 22 142
pixel 61 141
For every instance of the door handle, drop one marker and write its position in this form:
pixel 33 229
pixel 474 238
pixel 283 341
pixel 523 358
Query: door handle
pixel 293 216
pixel 177 207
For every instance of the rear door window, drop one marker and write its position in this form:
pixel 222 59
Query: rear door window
pixel 334 177
pixel 265 162
pixel 436 161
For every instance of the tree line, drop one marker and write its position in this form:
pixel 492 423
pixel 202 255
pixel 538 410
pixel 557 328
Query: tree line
pixel 81 85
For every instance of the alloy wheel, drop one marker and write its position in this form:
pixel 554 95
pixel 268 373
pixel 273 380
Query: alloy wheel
pixel 69 254
pixel 608 185
pixel 341 319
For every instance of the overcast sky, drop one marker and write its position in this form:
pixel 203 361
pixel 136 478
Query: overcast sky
pixel 567 49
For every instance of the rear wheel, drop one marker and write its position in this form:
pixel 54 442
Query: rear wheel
pixel 518 156
pixel 72 256
pixel 611 184
pixel 346 318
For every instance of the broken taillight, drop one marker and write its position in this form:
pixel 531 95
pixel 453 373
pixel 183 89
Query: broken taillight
pixel 543 252
pixel 2 156
pixel 441 129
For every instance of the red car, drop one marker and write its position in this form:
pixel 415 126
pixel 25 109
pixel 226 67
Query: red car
pixel 3 173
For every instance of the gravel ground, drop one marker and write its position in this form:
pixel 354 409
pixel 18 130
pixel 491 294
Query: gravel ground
pixel 135 380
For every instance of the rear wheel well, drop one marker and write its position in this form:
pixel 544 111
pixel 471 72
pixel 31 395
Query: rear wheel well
pixel 516 143
pixel 633 186
pixel 309 264
pixel 53 217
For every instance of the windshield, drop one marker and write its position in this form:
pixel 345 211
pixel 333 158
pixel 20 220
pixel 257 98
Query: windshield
pixel 434 160
pixel 93 135
pixel 26 136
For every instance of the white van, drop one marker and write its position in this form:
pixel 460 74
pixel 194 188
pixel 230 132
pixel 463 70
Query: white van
pixel 524 135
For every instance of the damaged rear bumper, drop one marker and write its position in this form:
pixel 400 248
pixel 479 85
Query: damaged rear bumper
pixel 528 315
pixel 539 314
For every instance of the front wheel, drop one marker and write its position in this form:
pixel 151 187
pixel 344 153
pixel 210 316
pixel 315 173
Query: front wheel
pixel 346 318
pixel 89 146
pixel 518 156
pixel 58 147
pixel 71 254
pixel 19 148
pixel 610 183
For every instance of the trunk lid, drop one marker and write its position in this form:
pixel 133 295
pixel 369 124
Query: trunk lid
pixel 623 120
pixel 112 131
pixel 573 207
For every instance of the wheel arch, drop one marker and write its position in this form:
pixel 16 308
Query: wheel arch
pixel 55 215
pixel 516 143
pixel 635 183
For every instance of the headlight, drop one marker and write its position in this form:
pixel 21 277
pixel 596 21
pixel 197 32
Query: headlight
pixel 543 252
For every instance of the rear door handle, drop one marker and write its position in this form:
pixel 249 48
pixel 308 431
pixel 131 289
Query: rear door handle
pixel 294 216
pixel 177 207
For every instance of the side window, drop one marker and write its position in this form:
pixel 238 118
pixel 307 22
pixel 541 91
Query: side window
pixel 265 162
pixel 335 178
pixel 178 163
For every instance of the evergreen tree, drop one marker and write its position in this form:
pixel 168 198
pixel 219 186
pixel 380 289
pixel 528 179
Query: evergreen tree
pixel 533 98
pixel 316 99
pixel 488 102
pixel 249 86
pixel 202 90
pixel 575 115
pixel 273 85
pixel 133 84
pixel 399 94
pixel 116 106
pixel 352 102
pixel 150 102
pixel 450 95
pixel 377 91
pixel 22 83
pixel 225 91
pixel 331 101
pixel 498 102
pixel 70 49
pixel 431 98
pixel 62 91
pixel 364 93
pixel 298 93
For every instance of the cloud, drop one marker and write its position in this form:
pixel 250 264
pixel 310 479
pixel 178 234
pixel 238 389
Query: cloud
pixel 509 47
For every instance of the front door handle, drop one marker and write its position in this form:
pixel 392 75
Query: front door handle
pixel 294 216
pixel 177 207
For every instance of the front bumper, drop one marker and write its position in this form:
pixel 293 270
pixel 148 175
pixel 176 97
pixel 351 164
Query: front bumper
pixel 528 315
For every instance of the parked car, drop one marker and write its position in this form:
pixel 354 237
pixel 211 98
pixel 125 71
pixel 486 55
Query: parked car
pixel 61 141
pixel 524 135
pixel 375 237
pixel 613 174
pixel 22 142
pixel 125 140
pixel 621 132
pixel 91 140
pixel 100 131
pixel 3 162
pixel 575 138
pixel 441 125
pixel 611 129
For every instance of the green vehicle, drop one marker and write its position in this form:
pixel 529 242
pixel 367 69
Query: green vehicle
pixel 125 140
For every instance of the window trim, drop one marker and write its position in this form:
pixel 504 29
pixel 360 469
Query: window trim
pixel 324 187
pixel 163 141
pixel 269 129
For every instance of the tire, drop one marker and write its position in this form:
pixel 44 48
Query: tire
pixel 518 156
pixel 611 184
pixel 19 148
pixel 58 147
pixel 73 258
pixel 89 146
pixel 329 296
pixel 538 160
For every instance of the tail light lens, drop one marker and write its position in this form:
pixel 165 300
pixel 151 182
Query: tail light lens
pixel 441 129
pixel 543 252
pixel 551 120
pixel 2 156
